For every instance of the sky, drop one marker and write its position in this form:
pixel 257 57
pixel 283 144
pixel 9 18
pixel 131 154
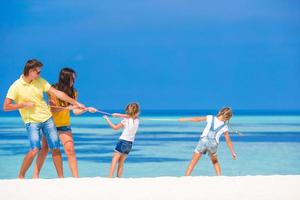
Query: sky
pixel 170 54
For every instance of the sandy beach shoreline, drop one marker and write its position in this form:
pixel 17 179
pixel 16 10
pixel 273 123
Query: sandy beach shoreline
pixel 239 187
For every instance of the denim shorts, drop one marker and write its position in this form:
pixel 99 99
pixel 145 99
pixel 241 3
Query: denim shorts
pixel 205 145
pixel 64 128
pixel 48 129
pixel 123 147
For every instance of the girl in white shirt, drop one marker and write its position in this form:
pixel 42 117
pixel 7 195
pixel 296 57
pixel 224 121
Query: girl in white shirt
pixel 130 123
pixel 209 139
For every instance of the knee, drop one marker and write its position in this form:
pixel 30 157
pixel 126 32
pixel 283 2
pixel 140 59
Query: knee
pixel 120 164
pixel 33 152
pixel 56 152
pixel 69 149
pixel 214 160
pixel 45 150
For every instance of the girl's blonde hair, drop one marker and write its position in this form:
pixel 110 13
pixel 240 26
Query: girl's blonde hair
pixel 132 109
pixel 226 113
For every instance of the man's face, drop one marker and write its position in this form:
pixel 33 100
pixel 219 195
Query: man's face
pixel 35 73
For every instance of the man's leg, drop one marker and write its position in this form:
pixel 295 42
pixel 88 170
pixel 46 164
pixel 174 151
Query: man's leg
pixel 41 158
pixel 51 135
pixel 27 162
pixel 57 160
pixel 33 131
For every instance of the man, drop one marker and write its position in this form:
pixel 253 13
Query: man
pixel 27 93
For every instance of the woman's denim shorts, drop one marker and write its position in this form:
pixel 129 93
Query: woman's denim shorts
pixel 123 147
pixel 64 128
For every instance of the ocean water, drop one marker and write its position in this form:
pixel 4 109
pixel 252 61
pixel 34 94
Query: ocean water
pixel 269 144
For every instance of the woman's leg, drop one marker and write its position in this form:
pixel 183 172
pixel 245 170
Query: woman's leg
pixel 66 139
pixel 41 158
pixel 121 165
pixel 114 161
pixel 215 162
pixel 193 162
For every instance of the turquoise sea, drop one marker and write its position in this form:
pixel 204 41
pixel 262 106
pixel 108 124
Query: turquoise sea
pixel 269 144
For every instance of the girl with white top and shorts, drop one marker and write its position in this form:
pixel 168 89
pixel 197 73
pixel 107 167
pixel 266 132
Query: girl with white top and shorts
pixel 209 139
pixel 130 123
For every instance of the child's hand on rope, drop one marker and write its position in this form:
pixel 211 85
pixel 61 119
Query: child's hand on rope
pixel 105 117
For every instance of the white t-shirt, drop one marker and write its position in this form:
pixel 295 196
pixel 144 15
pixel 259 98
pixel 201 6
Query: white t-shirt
pixel 217 123
pixel 130 128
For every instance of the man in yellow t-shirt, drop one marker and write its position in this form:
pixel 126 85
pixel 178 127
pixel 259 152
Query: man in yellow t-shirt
pixel 27 95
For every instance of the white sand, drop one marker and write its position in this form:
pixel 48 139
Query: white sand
pixel 166 188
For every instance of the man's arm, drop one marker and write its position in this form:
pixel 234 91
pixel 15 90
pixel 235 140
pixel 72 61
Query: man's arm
pixel 64 97
pixel 10 106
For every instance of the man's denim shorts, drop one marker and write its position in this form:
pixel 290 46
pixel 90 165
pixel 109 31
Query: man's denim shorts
pixel 207 146
pixel 123 147
pixel 64 129
pixel 48 129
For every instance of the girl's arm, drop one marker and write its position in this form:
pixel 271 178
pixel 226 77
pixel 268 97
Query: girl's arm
pixel 113 126
pixel 193 119
pixel 230 146
pixel 120 115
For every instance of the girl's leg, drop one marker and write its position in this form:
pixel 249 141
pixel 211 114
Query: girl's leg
pixel 114 161
pixel 121 165
pixel 41 158
pixel 193 162
pixel 66 139
pixel 215 162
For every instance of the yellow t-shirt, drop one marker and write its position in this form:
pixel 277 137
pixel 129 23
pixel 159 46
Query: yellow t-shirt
pixel 61 118
pixel 21 91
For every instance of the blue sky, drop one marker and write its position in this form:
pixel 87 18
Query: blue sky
pixel 169 54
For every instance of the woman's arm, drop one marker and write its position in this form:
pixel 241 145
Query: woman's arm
pixel 193 119
pixel 113 126
pixel 229 144
pixel 10 106
pixel 78 111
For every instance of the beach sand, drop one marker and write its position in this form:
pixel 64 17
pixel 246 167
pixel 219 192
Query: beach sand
pixel 173 188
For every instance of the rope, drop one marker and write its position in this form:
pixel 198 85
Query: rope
pixel 151 119
pixel 159 119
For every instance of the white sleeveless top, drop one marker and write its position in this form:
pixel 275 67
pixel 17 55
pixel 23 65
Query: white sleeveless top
pixel 130 128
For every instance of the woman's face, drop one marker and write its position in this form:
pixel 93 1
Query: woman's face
pixel 72 80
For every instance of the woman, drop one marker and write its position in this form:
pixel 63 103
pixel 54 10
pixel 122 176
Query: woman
pixel 61 115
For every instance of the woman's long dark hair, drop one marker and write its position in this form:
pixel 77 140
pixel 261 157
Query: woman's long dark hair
pixel 65 78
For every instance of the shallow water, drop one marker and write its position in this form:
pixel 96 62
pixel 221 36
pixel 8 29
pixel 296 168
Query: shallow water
pixel 268 145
